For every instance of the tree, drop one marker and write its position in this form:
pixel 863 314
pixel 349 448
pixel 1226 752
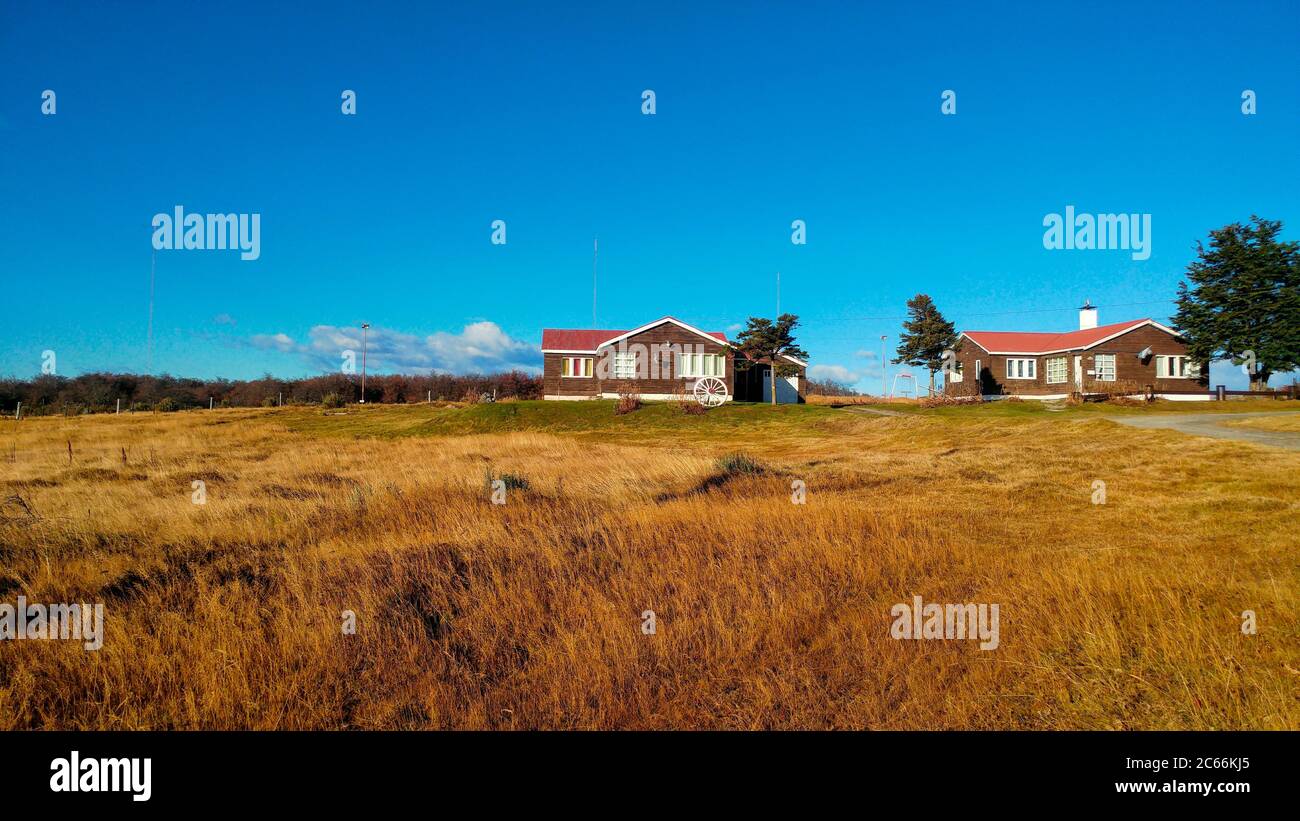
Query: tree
pixel 765 342
pixel 926 335
pixel 1245 304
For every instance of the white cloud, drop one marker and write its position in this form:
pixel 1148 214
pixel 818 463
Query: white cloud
pixel 224 319
pixel 865 354
pixel 838 373
pixel 273 342
pixel 481 347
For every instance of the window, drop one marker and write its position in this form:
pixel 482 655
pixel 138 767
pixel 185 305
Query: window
pixel 1022 368
pixel 1176 367
pixel 701 364
pixel 625 366
pixel 577 366
pixel 1056 370
pixel 1104 366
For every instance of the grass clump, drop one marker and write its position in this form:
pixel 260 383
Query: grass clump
pixel 738 464
pixel 511 481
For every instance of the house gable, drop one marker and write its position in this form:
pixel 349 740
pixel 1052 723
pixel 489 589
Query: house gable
pixel 715 337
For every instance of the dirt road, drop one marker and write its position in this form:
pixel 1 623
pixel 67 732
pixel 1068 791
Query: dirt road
pixel 1212 425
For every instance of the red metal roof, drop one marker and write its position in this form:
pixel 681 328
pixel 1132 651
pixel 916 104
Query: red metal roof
pixel 565 339
pixel 1016 342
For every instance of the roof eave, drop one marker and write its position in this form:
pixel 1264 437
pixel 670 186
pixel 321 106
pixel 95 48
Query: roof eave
pixel 1119 333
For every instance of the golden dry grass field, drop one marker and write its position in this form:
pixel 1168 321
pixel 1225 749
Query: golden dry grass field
pixel 768 614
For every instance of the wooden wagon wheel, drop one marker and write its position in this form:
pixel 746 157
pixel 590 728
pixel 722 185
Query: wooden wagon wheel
pixel 710 391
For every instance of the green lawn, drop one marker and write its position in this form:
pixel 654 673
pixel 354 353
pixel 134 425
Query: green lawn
pixel 656 419
pixel 652 419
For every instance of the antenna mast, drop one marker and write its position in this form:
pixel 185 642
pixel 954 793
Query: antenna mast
pixel 595 252
pixel 152 264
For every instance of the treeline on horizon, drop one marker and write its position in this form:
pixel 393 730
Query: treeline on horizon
pixel 829 387
pixel 100 392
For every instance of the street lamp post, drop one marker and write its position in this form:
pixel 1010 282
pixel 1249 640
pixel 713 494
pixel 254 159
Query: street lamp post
pixel 364 339
pixel 884 393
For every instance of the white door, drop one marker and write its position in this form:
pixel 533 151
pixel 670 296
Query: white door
pixel 787 389
pixel 1078 374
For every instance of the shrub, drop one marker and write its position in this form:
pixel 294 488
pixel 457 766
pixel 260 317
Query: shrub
pixel 268 402
pixel 686 404
pixel 331 400
pixel 941 400
pixel 738 464
pixel 166 405
pixel 627 402
pixel 513 481
pixel 1108 391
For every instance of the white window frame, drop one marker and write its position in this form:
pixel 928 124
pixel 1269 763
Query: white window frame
pixel 1097 370
pixel 624 365
pixel 1027 372
pixel 567 369
pixel 1063 376
pixel 1189 369
pixel 699 365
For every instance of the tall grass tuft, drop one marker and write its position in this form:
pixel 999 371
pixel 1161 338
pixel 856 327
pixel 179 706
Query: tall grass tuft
pixel 738 464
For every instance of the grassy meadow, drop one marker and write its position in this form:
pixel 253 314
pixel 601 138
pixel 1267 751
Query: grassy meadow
pixel 768 614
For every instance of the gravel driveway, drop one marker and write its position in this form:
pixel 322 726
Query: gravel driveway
pixel 1211 425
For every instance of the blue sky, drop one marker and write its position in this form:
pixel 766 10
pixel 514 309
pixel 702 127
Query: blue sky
pixel 824 112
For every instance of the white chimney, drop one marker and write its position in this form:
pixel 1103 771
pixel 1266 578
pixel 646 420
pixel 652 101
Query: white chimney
pixel 1087 316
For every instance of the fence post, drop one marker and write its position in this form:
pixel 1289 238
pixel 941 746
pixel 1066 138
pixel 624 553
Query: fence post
pixel 1220 392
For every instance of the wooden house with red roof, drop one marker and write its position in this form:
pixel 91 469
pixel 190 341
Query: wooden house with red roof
pixel 1137 357
pixel 660 360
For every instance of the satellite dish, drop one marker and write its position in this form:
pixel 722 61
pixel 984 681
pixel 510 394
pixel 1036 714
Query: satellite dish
pixel 1145 353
